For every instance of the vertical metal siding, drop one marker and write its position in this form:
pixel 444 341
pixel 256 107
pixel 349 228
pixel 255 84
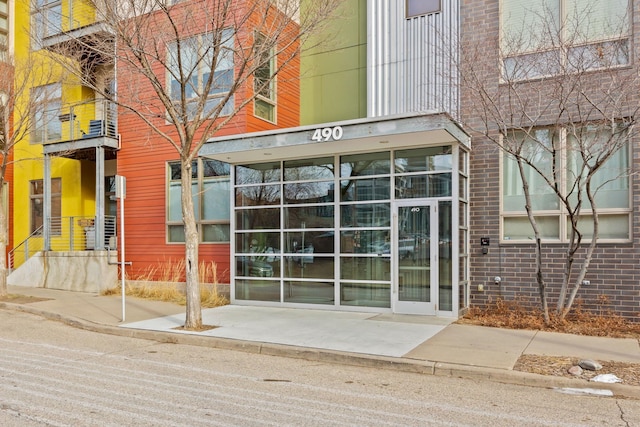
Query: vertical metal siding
pixel 411 62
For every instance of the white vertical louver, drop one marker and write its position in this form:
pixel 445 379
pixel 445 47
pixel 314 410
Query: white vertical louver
pixel 411 62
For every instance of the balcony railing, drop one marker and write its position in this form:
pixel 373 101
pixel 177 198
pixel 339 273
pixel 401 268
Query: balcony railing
pixel 91 119
pixel 68 234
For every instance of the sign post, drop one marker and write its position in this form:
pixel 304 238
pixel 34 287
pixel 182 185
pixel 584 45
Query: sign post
pixel 121 191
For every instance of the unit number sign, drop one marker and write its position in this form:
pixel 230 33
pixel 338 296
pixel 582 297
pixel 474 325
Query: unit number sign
pixel 327 134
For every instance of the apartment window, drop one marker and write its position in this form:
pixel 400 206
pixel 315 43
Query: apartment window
pixel 199 56
pixel 36 205
pixel 4 29
pixel 422 7
pixel 264 81
pixel 610 183
pixel 47 18
pixel 211 200
pixel 46 106
pixel 541 37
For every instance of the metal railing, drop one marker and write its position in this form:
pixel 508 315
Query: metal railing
pixel 72 122
pixel 67 234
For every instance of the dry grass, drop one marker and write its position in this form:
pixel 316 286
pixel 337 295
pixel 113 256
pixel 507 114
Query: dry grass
pixel 516 315
pixel 166 283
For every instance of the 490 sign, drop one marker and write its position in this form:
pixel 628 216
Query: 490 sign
pixel 327 134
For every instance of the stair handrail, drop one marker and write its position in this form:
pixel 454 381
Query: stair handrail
pixel 36 233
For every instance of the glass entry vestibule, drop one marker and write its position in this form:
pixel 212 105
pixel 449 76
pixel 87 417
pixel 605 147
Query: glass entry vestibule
pixel 368 231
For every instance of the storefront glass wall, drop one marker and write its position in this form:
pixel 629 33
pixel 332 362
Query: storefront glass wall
pixel 297 240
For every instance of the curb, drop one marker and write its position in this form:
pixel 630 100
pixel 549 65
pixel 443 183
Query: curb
pixel 331 356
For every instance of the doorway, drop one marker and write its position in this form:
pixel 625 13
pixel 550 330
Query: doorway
pixel 415 257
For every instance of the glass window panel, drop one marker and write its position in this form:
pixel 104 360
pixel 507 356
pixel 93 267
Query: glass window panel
pixel 309 267
pixel 365 164
pixel 258 242
pixel 365 268
pixel 320 216
pixel 365 189
pixel 211 168
pixel 264 110
pixel 320 169
pixel 309 192
pixel 252 219
pixel 609 226
pixel 317 241
pixel 216 199
pixel 176 233
pixel 424 159
pixel 422 7
pixel 365 294
pixel 257 266
pixel 212 233
pixel 257 290
pixel 309 292
pixel 418 186
pixel 365 215
pixel 258 174
pixel 597 20
pixel 519 228
pixel 524 23
pixel 261 195
pixel 374 242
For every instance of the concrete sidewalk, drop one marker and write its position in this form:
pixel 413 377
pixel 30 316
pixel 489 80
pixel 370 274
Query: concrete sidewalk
pixel 414 343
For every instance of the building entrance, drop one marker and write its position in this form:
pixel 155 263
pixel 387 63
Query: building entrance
pixel 415 257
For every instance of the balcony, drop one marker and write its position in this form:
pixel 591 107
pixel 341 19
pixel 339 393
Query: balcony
pixel 75 130
pixel 73 28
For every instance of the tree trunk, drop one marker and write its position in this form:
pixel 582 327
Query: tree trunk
pixel 193 318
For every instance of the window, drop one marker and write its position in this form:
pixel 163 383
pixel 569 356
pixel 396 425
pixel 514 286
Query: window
pixel 47 18
pixel 4 29
pixel 199 55
pixel 264 82
pixel 542 37
pixel 610 183
pixel 36 204
pixel 211 200
pixel 46 105
pixel 422 7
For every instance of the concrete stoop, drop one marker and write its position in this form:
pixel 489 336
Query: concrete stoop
pixel 83 271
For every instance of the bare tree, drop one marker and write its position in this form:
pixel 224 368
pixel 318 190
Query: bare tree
pixel 19 107
pixel 187 68
pixel 561 107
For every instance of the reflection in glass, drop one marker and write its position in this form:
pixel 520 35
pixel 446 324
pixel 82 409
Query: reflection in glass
pixel 365 294
pixel 429 185
pixel 307 266
pixel 216 233
pixel 312 241
pixel 309 192
pixel 258 242
pixel 365 268
pixel 424 159
pixel 356 190
pixel 309 292
pixel 309 217
pixel 365 164
pixel 259 265
pixel 258 173
pixel 258 290
pixel 445 267
pixel 251 219
pixel 259 195
pixel 309 169
pixel 365 242
pixel 365 215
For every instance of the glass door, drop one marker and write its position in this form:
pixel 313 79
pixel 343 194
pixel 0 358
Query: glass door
pixel 415 288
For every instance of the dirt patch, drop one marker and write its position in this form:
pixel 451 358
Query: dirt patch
pixel 22 299
pixel 629 373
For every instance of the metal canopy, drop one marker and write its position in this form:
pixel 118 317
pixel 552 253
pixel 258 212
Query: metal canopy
pixel 361 135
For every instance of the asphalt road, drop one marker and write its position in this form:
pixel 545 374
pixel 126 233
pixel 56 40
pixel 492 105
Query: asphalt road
pixel 55 375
